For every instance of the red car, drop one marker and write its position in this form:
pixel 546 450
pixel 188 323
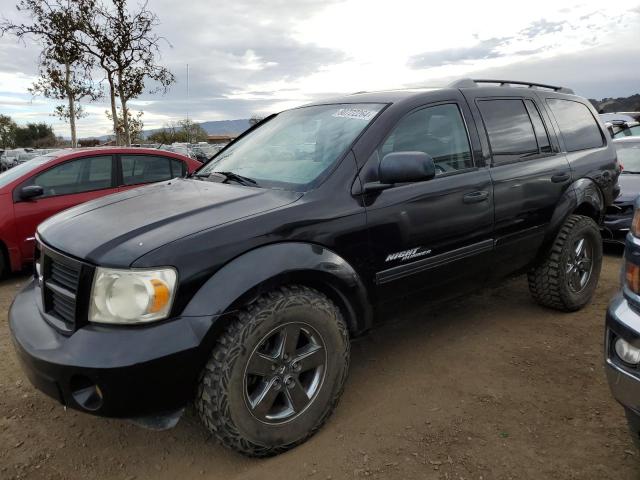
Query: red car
pixel 33 191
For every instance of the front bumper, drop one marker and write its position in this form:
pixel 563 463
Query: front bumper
pixel 132 371
pixel 624 380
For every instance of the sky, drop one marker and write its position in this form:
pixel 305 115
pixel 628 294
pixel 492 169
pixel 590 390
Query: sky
pixel 258 57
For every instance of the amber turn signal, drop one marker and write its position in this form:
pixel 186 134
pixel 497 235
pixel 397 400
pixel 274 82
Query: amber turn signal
pixel 632 277
pixel 635 223
pixel 160 295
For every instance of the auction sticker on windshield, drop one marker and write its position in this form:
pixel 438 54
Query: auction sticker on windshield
pixel 355 113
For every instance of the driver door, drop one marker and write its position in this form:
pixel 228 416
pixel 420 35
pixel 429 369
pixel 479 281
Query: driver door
pixel 433 235
pixel 65 185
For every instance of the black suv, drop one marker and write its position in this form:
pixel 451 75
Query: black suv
pixel 240 288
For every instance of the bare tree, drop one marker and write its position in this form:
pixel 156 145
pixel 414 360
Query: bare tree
pixel 255 119
pixel 136 125
pixel 7 131
pixel 126 47
pixel 65 70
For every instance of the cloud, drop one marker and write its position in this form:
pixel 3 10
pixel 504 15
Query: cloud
pixel 542 27
pixel 491 48
pixel 481 51
pixel 604 71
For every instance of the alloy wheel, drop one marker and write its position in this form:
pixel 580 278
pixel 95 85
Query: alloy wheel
pixel 284 373
pixel 580 264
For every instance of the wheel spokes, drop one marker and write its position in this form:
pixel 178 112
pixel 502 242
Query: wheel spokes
pixel 289 341
pixel 579 249
pixel 261 365
pixel 310 357
pixel 264 401
pixel 297 396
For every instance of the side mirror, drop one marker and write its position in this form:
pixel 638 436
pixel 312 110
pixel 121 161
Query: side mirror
pixel 404 167
pixel 31 191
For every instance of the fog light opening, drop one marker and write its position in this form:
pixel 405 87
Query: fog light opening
pixel 627 352
pixel 86 393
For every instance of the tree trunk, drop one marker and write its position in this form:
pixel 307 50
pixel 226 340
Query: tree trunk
pixel 125 112
pixel 72 106
pixel 114 110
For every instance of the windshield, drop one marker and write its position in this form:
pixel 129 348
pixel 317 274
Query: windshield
pixel 627 132
pixel 296 147
pixel 629 156
pixel 22 169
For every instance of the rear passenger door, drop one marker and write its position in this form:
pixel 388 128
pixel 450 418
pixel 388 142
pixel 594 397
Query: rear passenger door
pixel 529 174
pixel 585 143
pixel 139 169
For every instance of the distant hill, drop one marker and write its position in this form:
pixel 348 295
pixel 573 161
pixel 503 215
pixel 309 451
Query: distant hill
pixel 225 127
pixel 621 104
pixel 218 127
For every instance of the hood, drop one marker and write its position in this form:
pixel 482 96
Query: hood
pixel 117 229
pixel 629 187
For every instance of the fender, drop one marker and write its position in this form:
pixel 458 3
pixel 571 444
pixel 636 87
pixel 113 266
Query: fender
pixel 583 197
pixel 259 270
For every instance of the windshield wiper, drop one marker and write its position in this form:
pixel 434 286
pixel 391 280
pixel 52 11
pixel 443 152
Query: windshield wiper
pixel 630 171
pixel 227 176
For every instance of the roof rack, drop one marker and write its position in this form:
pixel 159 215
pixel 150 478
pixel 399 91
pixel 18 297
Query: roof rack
pixel 473 82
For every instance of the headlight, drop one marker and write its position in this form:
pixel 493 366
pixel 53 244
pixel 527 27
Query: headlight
pixel 627 352
pixel 131 296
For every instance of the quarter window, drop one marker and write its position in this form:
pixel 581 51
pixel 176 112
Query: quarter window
pixel 510 130
pixel 579 128
pixel 538 125
pixel 77 176
pixel 438 131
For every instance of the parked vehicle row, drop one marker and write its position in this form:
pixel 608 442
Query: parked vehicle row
pixel 240 287
pixel 623 124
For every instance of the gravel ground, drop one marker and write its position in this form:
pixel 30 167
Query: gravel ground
pixel 491 388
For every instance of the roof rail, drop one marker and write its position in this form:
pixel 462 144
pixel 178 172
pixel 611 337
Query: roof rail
pixel 473 82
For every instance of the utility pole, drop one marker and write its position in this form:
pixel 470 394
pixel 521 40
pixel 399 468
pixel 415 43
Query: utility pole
pixel 189 130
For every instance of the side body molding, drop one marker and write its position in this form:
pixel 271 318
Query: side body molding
pixel 260 270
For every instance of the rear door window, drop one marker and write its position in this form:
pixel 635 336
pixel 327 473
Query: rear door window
pixel 509 127
pixel 578 127
pixel 137 169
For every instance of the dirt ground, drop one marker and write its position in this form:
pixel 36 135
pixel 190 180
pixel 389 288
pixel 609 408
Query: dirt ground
pixel 495 388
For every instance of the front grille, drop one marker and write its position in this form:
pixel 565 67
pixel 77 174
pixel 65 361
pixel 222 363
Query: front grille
pixel 65 275
pixel 60 283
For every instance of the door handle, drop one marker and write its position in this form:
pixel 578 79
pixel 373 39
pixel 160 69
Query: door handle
pixel 476 197
pixel 560 177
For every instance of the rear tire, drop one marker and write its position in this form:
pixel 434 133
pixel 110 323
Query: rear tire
pixel 260 400
pixel 568 276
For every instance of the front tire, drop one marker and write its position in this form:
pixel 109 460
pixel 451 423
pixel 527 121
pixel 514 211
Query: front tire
pixel 567 278
pixel 276 373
